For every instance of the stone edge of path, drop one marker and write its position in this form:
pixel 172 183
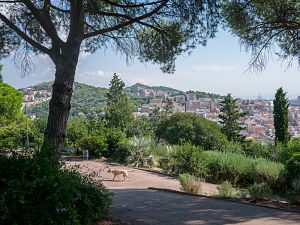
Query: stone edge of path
pixel 223 199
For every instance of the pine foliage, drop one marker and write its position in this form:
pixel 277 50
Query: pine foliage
pixel 229 118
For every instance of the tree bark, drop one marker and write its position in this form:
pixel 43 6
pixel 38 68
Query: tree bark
pixel 60 103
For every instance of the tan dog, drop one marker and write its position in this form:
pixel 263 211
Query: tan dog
pixel 117 172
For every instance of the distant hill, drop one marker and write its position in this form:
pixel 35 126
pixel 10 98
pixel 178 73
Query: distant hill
pixel 134 88
pixel 201 94
pixel 90 101
pixel 42 86
pixel 86 99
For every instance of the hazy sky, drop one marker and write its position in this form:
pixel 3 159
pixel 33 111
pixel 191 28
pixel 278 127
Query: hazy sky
pixel 220 67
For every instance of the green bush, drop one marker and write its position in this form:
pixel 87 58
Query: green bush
pixel 140 152
pixel 293 167
pixel 190 184
pixel 34 194
pixel 241 170
pixel 187 127
pixel 268 172
pixel 232 147
pixel 269 151
pixel 161 153
pixel 117 145
pixel 187 158
pixel 296 190
pixel 292 147
pixel 231 167
pixel 96 145
pixel 260 191
pixel 226 190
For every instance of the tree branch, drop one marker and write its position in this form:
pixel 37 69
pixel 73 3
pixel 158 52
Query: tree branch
pixel 125 17
pixel 133 5
pixel 24 36
pixel 127 23
pixel 45 20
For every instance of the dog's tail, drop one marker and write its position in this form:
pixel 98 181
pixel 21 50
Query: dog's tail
pixel 130 170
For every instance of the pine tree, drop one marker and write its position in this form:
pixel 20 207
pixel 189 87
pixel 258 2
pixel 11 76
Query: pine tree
pixel 155 116
pixel 280 113
pixel 118 112
pixel 229 118
pixel 1 78
pixel 168 109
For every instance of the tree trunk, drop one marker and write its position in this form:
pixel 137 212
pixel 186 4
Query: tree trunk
pixel 60 103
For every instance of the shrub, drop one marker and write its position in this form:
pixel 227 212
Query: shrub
pixel 161 154
pixel 293 147
pixel 293 167
pixel 269 172
pixel 117 146
pixel 296 191
pixel 269 151
pixel 96 145
pixel 32 193
pixel 187 158
pixel 232 147
pixel 226 190
pixel 140 152
pixel 77 129
pixel 189 183
pixel 231 167
pixel 241 170
pixel 260 191
pixel 187 127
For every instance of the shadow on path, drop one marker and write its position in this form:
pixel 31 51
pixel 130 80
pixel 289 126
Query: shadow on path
pixel 142 206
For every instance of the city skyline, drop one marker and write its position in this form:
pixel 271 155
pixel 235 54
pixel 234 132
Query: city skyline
pixel 219 68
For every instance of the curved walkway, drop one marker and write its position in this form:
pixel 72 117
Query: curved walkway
pixel 134 204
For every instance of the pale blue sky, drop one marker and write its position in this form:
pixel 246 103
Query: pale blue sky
pixel 218 68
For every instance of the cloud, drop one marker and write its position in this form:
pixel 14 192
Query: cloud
pixel 95 78
pixel 213 68
pixel 84 55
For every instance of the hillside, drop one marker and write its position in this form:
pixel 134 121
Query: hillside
pixel 90 101
pixel 134 88
pixel 86 99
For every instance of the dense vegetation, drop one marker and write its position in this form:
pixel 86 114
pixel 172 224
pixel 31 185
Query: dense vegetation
pixel 134 89
pixel 34 193
pixel 187 127
pixel 87 101
pixel 32 189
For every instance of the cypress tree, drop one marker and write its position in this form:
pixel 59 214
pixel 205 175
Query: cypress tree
pixel 280 113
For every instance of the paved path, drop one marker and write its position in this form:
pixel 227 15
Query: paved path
pixel 139 179
pixel 134 204
pixel 144 207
